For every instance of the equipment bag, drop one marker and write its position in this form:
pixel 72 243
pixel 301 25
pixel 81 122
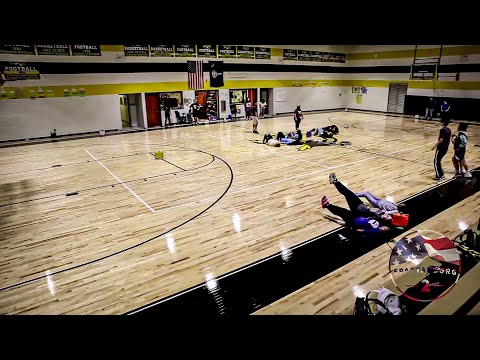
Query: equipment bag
pixel 400 220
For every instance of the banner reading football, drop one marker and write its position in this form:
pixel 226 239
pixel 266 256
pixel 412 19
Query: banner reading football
pixel 86 50
pixel 289 54
pixel 227 51
pixel 209 51
pixel 53 50
pixel 20 71
pixel 17 49
pixel 162 51
pixel 185 51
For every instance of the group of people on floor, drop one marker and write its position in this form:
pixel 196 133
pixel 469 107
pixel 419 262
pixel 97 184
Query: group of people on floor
pixel 364 218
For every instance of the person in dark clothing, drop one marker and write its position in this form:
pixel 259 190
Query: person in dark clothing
pixel 441 148
pixel 359 217
pixel 166 108
pixel 445 112
pixel 195 110
pixel 298 116
pixel 429 109
pixel 459 142
pixel 326 132
pixel 248 109
pixel 53 134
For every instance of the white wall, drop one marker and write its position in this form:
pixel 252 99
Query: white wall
pixel 309 98
pixel 376 99
pixel 25 118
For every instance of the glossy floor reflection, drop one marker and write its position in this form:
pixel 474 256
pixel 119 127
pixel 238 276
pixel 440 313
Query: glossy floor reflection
pixel 249 289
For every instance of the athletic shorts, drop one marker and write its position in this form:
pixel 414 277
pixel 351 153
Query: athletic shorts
pixel 459 156
pixel 255 120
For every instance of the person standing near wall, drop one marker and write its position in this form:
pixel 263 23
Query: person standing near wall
pixel 166 108
pixel 445 111
pixel 263 108
pixel 298 116
pixel 430 108
pixel 194 110
pixel 248 108
pixel 441 149
pixel 255 118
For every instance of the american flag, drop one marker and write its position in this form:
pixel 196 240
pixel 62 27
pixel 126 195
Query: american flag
pixel 195 74
pixel 414 250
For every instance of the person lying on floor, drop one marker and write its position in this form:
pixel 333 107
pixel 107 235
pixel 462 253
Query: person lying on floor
pixel 270 141
pixel 384 206
pixel 326 132
pixel 293 138
pixel 359 217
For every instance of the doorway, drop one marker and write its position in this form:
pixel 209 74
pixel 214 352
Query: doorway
pixel 396 98
pixel 208 101
pixel 125 111
pixel 152 102
pixel 267 96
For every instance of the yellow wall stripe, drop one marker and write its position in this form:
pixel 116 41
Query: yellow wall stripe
pixel 107 89
pixel 277 52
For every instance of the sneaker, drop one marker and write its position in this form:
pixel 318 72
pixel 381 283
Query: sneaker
pixel 458 174
pixel 324 202
pixel 467 174
pixel 441 179
pixel 333 178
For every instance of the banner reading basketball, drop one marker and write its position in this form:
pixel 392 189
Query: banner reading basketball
pixel 161 51
pixel 53 50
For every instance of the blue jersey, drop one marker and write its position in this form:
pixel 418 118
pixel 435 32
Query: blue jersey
pixel 367 224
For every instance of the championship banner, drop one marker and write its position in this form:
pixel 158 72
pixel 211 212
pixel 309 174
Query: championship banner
pixel 316 56
pixel 62 50
pixel 215 68
pixel 263 53
pixel 227 51
pixel 20 71
pixel 246 52
pixel 207 51
pixel 17 49
pixel 86 50
pixel 289 54
pixel 136 50
pixel 185 51
pixel 304 55
pixel 162 51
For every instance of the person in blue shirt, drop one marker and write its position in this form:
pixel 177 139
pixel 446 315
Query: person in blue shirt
pixel 359 217
pixel 445 111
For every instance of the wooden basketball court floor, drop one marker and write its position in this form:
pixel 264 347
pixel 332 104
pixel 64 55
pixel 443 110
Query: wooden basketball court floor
pixel 98 226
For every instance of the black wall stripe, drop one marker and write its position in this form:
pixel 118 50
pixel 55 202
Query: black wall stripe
pixel 92 68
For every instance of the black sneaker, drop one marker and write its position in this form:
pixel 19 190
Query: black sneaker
pixel 333 178
pixel 457 175
pixel 441 178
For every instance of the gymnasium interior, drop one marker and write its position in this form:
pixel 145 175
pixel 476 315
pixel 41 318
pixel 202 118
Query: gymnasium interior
pixel 171 180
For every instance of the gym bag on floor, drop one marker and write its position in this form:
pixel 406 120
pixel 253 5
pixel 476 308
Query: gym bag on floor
pixel 385 303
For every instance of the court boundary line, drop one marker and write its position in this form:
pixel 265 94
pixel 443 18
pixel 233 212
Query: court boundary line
pixel 121 182
pixel 173 296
